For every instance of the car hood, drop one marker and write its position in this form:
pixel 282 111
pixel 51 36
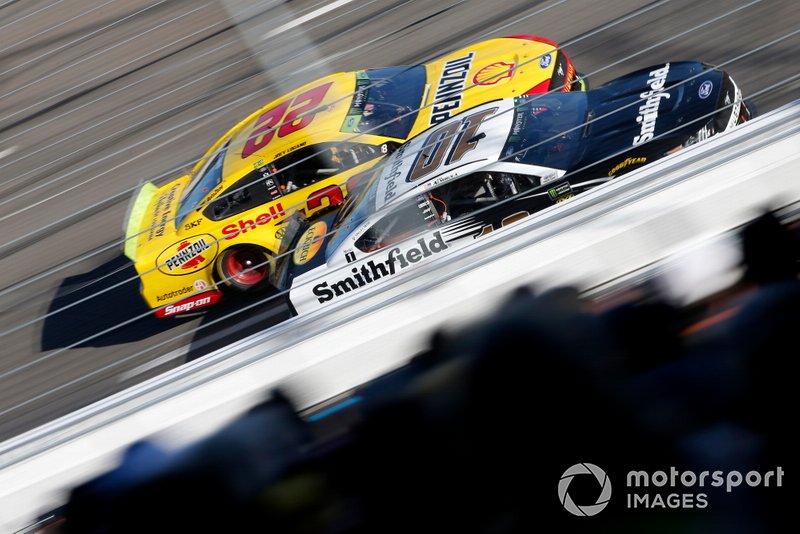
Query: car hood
pixel 658 104
pixel 487 70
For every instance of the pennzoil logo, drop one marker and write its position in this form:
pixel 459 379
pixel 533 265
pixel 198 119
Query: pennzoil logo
pixel 450 87
pixel 188 255
pixel 492 74
pixel 310 243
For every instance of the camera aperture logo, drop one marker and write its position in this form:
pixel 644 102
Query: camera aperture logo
pixel 588 509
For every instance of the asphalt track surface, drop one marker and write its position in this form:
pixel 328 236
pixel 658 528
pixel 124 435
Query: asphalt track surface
pixel 98 95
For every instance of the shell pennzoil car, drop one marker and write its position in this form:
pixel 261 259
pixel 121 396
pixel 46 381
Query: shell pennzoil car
pixel 216 229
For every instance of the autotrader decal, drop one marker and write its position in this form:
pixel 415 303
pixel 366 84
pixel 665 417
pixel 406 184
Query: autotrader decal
pixel 172 294
pixel 372 270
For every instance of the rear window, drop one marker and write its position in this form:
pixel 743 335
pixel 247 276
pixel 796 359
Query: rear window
pixel 209 176
pixel 386 101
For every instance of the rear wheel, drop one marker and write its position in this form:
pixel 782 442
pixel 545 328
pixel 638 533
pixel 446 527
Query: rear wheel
pixel 243 268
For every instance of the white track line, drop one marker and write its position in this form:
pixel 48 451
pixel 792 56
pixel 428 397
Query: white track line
pixel 305 18
pixel 8 151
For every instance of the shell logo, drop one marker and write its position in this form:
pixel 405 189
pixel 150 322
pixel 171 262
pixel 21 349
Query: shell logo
pixel 310 243
pixel 494 73
pixel 188 255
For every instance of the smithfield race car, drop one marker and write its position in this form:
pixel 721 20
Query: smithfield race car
pixel 490 167
pixel 195 239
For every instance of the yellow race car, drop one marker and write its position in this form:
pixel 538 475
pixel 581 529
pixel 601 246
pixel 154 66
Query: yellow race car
pixel 214 231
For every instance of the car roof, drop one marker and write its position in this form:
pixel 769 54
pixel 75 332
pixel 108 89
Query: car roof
pixel 248 150
pixel 414 166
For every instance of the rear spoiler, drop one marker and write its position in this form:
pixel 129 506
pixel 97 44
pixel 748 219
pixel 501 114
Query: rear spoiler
pixel 136 211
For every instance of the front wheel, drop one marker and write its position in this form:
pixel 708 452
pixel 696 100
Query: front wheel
pixel 243 268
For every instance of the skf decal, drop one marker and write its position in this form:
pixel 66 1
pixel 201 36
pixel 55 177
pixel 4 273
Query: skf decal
pixel 626 163
pixel 450 88
pixel 371 271
pixel 232 231
pixel 494 73
pixel 648 112
pixel 188 255
pixel 192 224
pixel 310 243
pixel 190 303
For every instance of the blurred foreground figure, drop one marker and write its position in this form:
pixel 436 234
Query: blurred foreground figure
pixel 474 434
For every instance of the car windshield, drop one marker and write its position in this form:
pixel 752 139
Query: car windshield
pixel 206 179
pixel 548 130
pixel 386 101
pixel 356 208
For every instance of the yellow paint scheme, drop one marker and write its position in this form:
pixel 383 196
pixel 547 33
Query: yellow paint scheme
pixel 176 262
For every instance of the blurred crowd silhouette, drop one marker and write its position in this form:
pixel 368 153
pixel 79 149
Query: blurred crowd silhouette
pixel 474 434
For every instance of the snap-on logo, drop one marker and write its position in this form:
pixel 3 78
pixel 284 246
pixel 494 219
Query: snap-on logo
pixel 187 255
pixel 191 303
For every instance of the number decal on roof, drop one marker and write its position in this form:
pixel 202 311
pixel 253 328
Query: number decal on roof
pixel 292 115
pixel 448 144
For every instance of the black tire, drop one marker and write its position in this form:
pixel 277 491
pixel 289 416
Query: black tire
pixel 243 269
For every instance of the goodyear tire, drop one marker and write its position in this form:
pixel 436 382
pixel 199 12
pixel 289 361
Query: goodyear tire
pixel 243 268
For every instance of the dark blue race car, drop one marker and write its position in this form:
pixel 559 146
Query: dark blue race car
pixel 493 165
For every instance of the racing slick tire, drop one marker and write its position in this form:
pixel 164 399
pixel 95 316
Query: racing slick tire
pixel 243 268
